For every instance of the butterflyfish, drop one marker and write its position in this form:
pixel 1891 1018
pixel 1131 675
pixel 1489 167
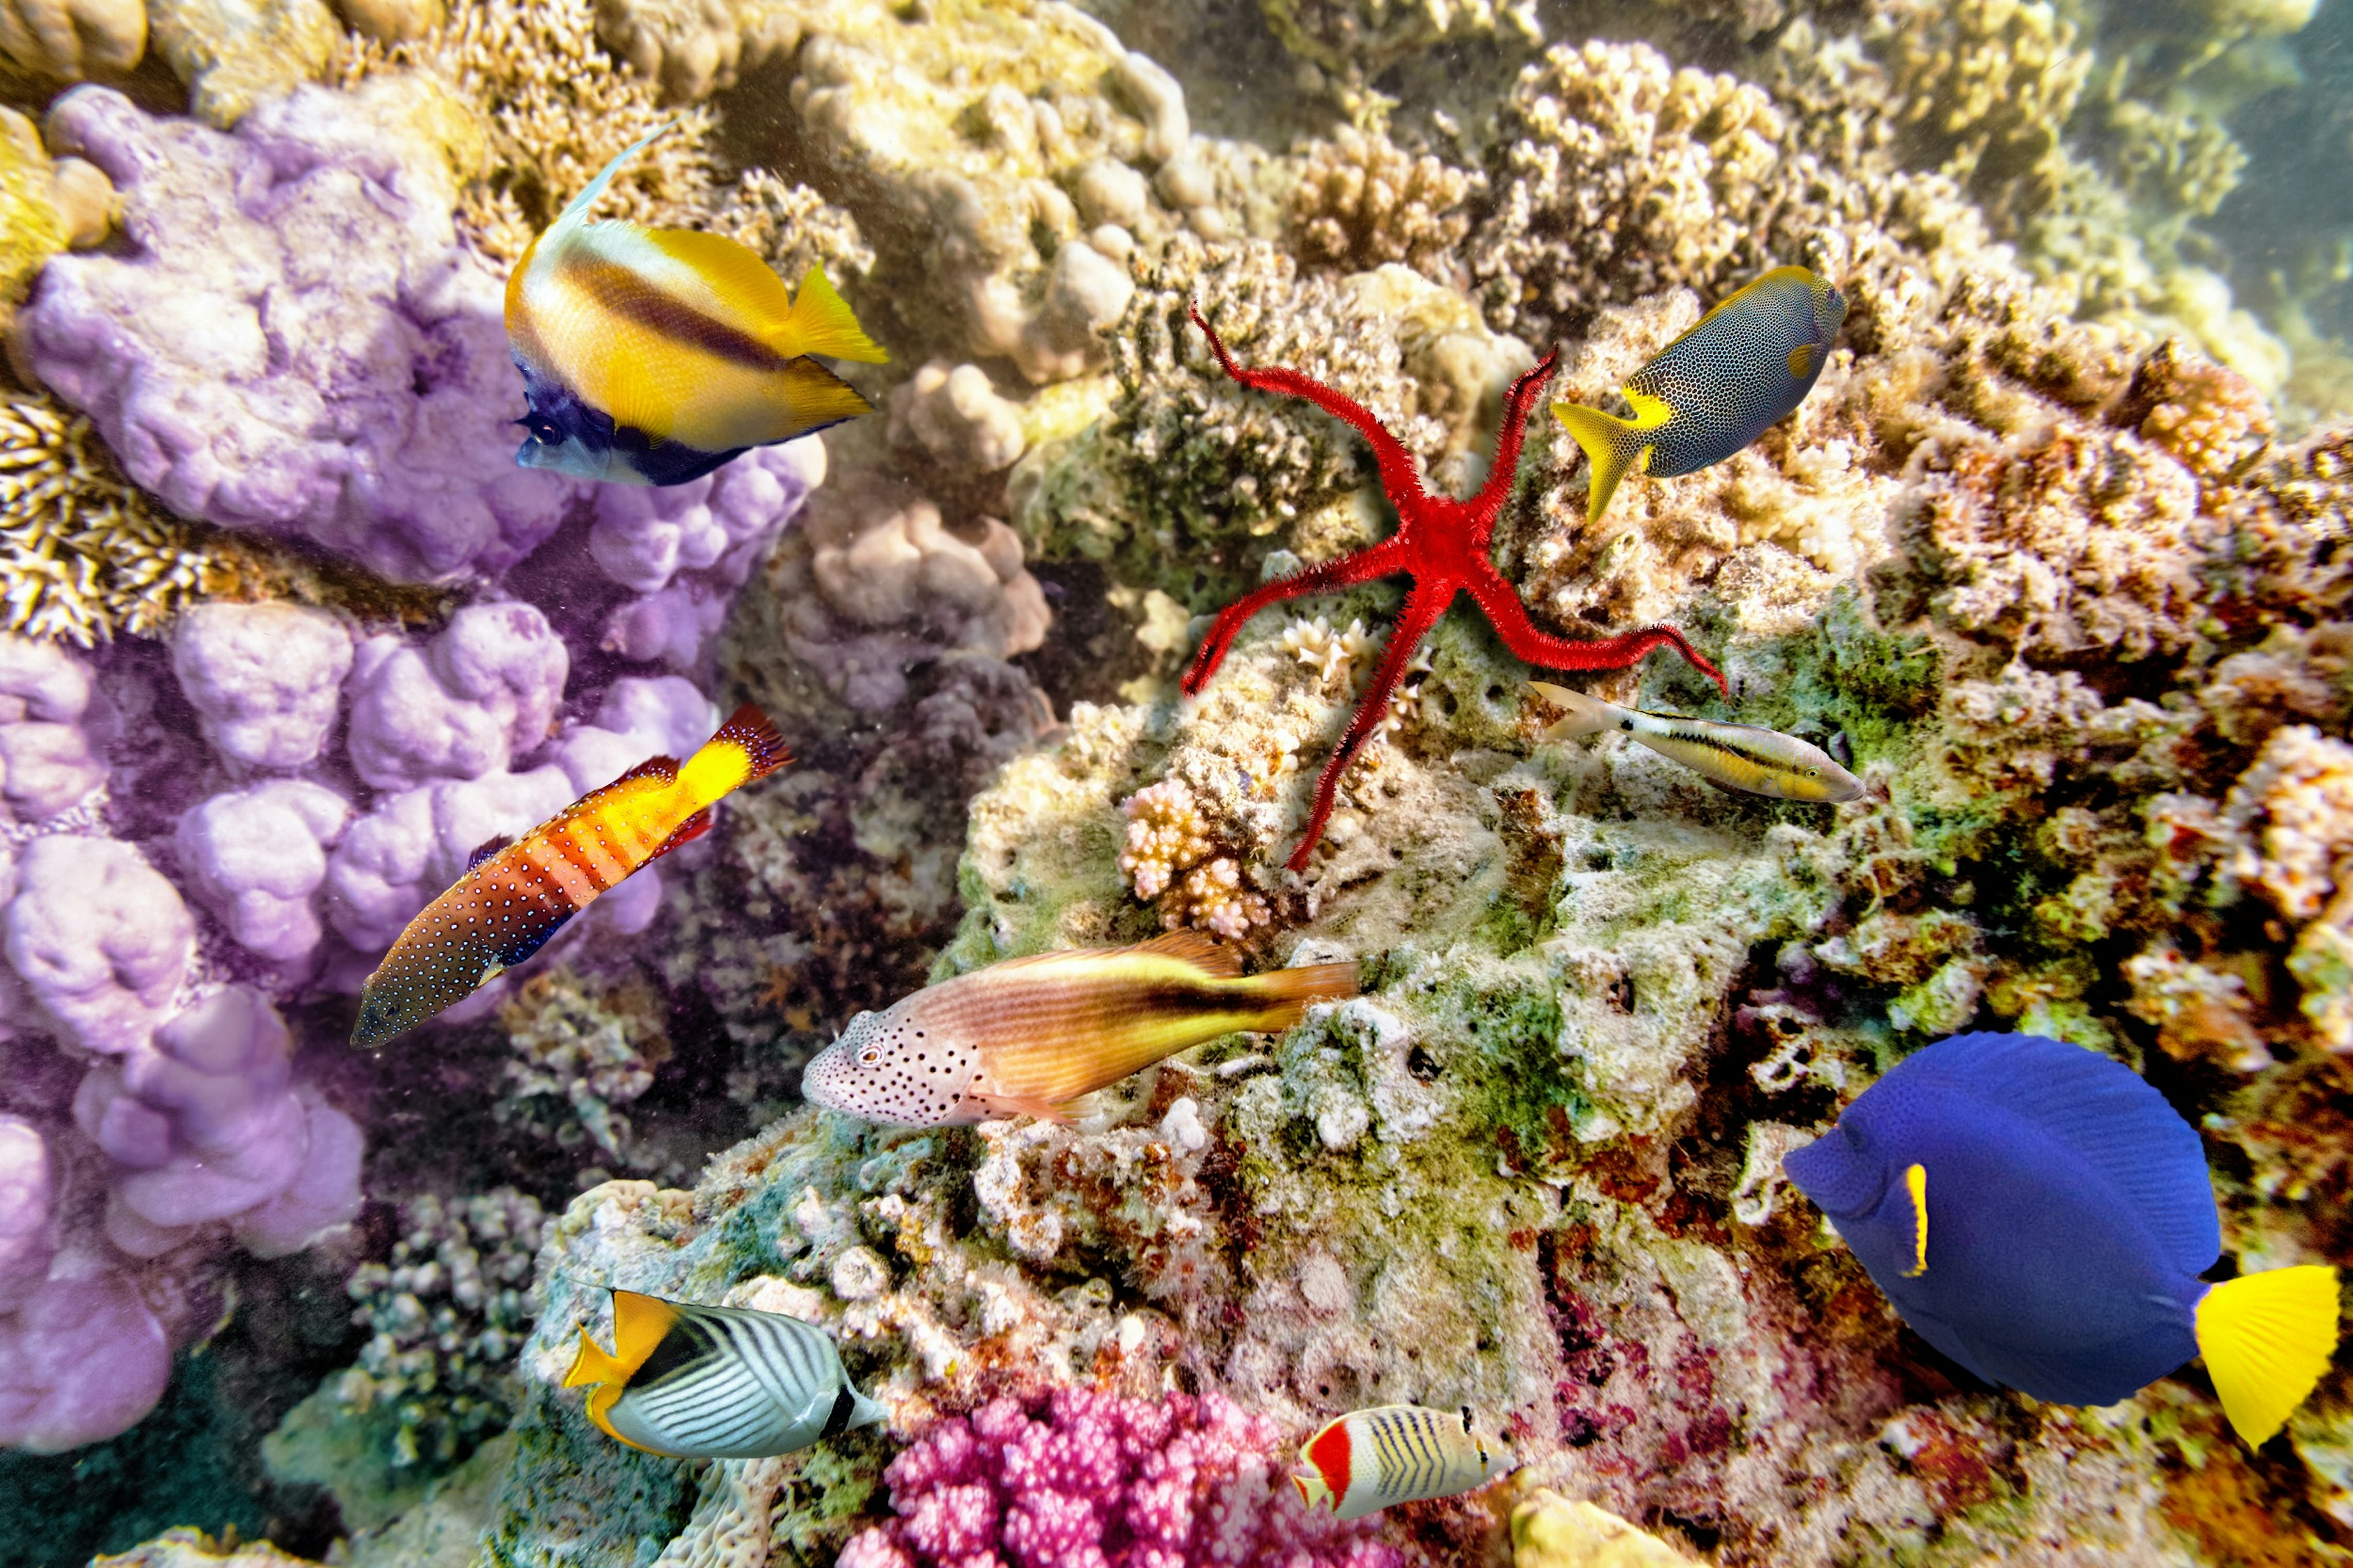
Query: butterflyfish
pixel 517 894
pixel 1745 365
pixel 1030 1035
pixel 1372 1459
pixel 1735 756
pixel 715 1383
pixel 2038 1212
pixel 652 355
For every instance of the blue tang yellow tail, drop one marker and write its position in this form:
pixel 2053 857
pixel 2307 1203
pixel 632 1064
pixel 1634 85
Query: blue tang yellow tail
pixel 654 355
pixel 2039 1214
pixel 1746 364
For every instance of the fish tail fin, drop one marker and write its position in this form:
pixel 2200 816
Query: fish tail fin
pixel 591 1364
pixel 577 209
pixel 1285 994
pixel 2266 1338
pixel 748 748
pixel 1614 446
pixel 1583 715
pixel 821 323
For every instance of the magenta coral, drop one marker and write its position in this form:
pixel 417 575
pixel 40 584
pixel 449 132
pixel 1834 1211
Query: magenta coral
pixel 1097 1480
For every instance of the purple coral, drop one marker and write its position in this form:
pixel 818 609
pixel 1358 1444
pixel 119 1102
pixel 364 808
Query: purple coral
pixel 1099 1480
pixel 263 679
pixel 478 696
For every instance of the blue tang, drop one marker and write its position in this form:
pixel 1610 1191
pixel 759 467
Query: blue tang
pixel 1747 364
pixel 2041 1214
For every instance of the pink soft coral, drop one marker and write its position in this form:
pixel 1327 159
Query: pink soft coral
pixel 1096 1481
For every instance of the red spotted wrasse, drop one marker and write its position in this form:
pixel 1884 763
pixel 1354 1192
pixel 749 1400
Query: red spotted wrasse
pixel 514 896
pixel 1372 1459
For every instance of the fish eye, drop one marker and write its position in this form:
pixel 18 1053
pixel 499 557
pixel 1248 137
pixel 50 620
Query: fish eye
pixel 869 1056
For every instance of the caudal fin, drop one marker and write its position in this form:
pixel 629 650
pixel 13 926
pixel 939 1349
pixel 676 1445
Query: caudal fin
pixel 746 748
pixel 1287 993
pixel 821 323
pixel 1614 445
pixel 1583 715
pixel 2266 1338
pixel 591 1364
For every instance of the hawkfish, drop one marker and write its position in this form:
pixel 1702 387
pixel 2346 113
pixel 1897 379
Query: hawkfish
pixel 2039 1214
pixel 1733 756
pixel 1029 1036
pixel 688 1381
pixel 1371 1459
pixel 1744 367
pixel 651 356
pixel 517 893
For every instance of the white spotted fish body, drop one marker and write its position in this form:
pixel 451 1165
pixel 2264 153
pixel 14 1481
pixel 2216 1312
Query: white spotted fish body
pixel 1028 1035
pixel 715 1383
pixel 1372 1459
pixel 1735 756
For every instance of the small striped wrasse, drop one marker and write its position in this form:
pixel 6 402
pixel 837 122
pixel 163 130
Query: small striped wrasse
pixel 1733 756
pixel 1745 366
pixel 1029 1034
pixel 1373 1460
pixel 515 895
pixel 715 1383
pixel 652 355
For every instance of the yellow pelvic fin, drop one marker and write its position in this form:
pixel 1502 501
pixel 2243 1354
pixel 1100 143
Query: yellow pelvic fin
pixel 591 1364
pixel 821 323
pixel 1613 445
pixel 1801 359
pixel 2266 1338
pixel 1915 1182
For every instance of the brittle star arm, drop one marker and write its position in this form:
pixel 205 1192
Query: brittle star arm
pixel 1508 440
pixel 1399 478
pixel 1324 577
pixel 1543 650
pixel 1424 603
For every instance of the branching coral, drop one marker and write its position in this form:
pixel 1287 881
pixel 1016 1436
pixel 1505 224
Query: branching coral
pixel 1359 39
pixel 582 1051
pixel 1361 201
pixel 1171 857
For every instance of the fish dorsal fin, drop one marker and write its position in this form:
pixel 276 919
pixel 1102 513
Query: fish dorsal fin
pixel 664 768
pixel 488 847
pixel 1198 949
pixel 2103 1113
pixel 687 832
pixel 640 1324
pixel 577 210
pixel 824 323
pixel 816 320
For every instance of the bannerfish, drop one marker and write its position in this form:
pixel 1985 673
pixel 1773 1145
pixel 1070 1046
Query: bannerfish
pixel 1745 365
pixel 1373 1460
pixel 651 356
pixel 1030 1035
pixel 2041 1214
pixel 1735 756
pixel 517 894
pixel 715 1383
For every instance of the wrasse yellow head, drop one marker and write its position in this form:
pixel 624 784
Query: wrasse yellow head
pixel 651 356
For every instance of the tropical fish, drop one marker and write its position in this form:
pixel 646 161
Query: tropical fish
pixel 2041 1214
pixel 1745 365
pixel 652 355
pixel 715 1383
pixel 1371 1459
pixel 1032 1033
pixel 1735 756
pixel 517 894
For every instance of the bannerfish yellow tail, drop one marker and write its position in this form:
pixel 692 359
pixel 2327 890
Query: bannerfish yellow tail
pixel 651 356
pixel 1745 365
pixel 2266 1338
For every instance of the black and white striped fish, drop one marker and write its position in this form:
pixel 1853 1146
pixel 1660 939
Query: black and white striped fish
pixel 1370 1459
pixel 1735 756
pixel 715 1383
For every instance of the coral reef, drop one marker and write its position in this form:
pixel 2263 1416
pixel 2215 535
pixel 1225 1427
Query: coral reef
pixel 234 54
pixel 1362 201
pixel 579 1054
pixel 68 41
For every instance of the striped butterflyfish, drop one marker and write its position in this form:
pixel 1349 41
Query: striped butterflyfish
pixel 651 356
pixel 715 1383
pixel 516 894
pixel 1746 366
pixel 1732 756
pixel 1372 1459
pixel 1030 1035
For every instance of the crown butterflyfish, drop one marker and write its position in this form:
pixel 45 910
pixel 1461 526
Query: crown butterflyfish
pixel 652 355
pixel 1731 756
pixel 1371 1459
pixel 515 895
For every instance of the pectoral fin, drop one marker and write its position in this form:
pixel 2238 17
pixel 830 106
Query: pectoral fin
pixel 1000 1107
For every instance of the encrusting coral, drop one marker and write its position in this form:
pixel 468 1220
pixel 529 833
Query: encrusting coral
pixel 581 1053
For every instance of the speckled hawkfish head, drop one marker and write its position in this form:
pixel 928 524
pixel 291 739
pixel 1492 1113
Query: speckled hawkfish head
pixel 882 1069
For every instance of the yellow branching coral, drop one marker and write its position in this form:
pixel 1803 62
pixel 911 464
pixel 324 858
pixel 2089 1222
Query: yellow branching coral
pixel 1171 855
pixel 1361 200
pixel 1984 87
pixel 2208 415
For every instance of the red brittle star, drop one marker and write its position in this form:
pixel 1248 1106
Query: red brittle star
pixel 1442 544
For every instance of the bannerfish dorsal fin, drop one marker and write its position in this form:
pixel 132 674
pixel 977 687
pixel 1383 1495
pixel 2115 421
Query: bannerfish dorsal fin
pixel 1198 949
pixel 576 211
pixel 488 847
pixel 2103 1113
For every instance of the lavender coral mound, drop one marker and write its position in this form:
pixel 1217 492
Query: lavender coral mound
pixel 478 695
pixel 257 858
pixel 45 765
pixel 264 679
pixel 101 939
pixel 1097 1480
pixel 292 342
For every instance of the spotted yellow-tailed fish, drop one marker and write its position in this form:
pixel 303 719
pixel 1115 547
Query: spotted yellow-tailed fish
pixel 654 355
pixel 1746 364
pixel 1735 756
pixel 715 1383
pixel 1030 1035
pixel 516 895
pixel 1372 1459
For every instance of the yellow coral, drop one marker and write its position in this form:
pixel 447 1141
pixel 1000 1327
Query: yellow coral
pixel 2207 415
pixel 1361 201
